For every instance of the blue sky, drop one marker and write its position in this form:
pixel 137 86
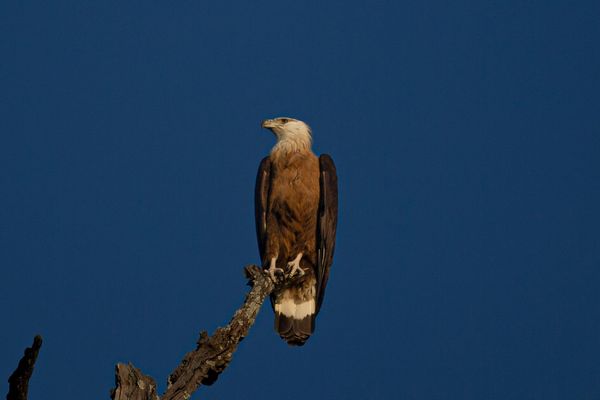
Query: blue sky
pixel 467 145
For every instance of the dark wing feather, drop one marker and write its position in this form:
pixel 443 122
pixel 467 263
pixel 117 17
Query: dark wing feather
pixel 261 194
pixel 326 223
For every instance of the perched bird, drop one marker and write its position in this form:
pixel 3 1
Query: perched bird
pixel 296 217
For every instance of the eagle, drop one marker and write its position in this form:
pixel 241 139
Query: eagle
pixel 296 204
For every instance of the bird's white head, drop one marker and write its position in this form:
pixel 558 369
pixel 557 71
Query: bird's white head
pixel 292 135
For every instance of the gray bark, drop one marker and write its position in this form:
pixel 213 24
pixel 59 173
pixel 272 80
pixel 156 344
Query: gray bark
pixel 200 366
pixel 212 355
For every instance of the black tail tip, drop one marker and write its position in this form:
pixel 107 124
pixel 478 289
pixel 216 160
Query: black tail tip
pixel 294 331
pixel 295 341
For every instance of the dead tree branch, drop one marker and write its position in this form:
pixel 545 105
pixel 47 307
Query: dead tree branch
pixel 201 366
pixel 212 355
pixel 18 383
pixel 132 384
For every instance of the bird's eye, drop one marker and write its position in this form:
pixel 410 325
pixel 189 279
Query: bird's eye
pixel 284 120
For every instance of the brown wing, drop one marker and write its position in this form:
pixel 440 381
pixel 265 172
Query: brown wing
pixel 326 223
pixel 261 194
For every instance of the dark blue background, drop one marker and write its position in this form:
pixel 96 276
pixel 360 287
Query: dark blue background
pixel 466 136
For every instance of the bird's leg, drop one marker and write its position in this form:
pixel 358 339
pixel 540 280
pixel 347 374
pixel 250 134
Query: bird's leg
pixel 273 270
pixel 295 266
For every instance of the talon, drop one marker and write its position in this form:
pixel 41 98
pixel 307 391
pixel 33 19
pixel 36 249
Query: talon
pixel 295 267
pixel 273 270
pixel 273 273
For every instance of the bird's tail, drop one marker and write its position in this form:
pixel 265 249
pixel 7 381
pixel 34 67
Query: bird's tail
pixel 294 317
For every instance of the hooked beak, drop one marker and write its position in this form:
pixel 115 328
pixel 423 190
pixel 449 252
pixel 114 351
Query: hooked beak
pixel 268 124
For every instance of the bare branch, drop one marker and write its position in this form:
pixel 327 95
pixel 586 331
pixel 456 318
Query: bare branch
pixel 211 356
pixel 132 384
pixel 19 380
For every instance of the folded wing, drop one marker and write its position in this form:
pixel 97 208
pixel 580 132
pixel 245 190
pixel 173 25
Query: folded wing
pixel 326 223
